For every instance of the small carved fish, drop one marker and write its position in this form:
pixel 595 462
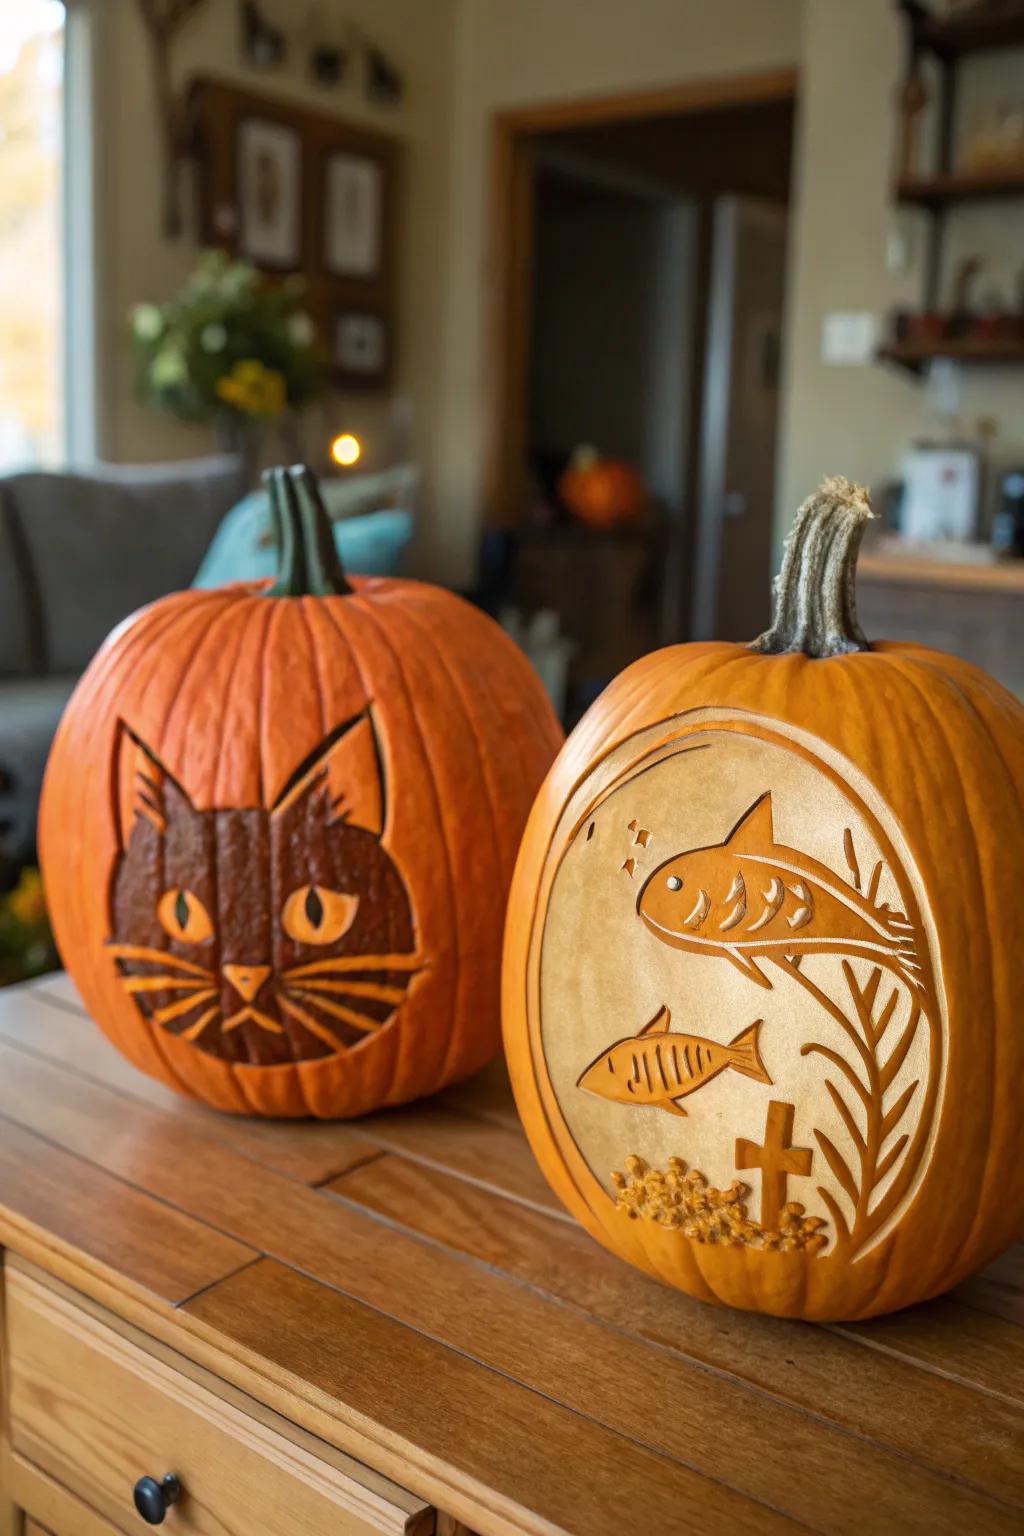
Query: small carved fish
pixel 751 898
pixel 659 1068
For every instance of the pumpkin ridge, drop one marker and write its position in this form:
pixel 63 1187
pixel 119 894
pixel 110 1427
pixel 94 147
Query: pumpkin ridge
pixel 333 616
pixel 165 746
pixel 983 929
pixel 429 639
pixel 192 612
pixel 362 605
pixel 229 683
pixel 263 788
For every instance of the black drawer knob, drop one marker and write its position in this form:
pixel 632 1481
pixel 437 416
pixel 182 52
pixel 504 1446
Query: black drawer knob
pixel 153 1499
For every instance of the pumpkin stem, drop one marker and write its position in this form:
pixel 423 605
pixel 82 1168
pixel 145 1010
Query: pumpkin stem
pixel 815 601
pixel 308 564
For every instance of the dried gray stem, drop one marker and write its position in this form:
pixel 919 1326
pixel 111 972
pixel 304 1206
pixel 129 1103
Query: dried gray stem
pixel 815 601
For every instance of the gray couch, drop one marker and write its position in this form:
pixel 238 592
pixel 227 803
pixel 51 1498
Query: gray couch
pixel 78 553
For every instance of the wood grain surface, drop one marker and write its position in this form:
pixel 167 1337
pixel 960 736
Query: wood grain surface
pixel 94 1407
pixel 59 1512
pixel 406 1289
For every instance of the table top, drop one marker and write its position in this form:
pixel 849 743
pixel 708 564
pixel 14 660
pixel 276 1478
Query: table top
pixel 407 1288
pixel 893 567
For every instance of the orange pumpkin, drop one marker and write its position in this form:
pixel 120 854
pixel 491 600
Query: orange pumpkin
pixel 763 1002
pixel 278 827
pixel 602 492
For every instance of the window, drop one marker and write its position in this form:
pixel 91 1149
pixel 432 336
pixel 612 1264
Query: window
pixel 31 232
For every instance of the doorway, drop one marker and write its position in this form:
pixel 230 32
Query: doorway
pixel 625 313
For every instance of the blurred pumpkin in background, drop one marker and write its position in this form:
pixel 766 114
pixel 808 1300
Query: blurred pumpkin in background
pixel 602 492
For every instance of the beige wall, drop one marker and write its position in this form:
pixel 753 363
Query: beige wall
pixel 465 60
pixel 856 421
pixel 517 54
pixel 135 263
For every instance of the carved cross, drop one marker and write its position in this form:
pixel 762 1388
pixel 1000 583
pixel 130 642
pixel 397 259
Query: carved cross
pixel 777 1159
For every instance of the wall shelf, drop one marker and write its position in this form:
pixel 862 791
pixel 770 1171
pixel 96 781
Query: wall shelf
pixel 949 38
pixel 952 37
pixel 915 356
pixel 960 187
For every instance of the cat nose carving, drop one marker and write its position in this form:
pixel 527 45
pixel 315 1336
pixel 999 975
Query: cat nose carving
pixel 246 979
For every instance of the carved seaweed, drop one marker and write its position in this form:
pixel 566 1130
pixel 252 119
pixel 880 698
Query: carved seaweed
pixel 876 1153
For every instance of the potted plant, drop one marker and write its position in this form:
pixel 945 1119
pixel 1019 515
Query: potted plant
pixel 232 349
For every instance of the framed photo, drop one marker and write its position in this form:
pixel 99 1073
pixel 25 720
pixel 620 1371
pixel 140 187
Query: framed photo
pixel 362 353
pixel 352 216
pixel 269 193
pixel 941 493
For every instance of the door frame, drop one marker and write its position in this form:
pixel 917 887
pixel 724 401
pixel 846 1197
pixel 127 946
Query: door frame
pixel 510 247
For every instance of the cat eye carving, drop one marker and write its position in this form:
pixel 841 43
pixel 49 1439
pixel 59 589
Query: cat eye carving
pixel 184 917
pixel 203 941
pixel 315 915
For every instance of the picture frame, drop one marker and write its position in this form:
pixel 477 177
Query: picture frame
pixel 269 193
pixel 942 486
pixel 361 347
pixel 353 201
pixel 300 191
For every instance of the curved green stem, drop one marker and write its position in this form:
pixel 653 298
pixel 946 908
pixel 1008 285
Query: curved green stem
pixel 308 564
pixel 815 599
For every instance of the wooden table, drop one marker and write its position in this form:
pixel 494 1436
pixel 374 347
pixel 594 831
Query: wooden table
pixel 972 610
pixel 396 1315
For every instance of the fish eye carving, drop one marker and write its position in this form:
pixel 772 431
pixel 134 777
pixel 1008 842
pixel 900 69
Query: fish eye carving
pixel 315 915
pixel 674 883
pixel 184 917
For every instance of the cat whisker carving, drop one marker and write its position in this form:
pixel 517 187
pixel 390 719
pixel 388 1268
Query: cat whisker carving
pixel 165 983
pixel 263 935
pixel 359 963
pixel 142 952
pixel 372 989
pixel 320 1031
pixel 354 1017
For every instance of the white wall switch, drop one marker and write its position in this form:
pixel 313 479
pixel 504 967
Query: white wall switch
pixel 849 338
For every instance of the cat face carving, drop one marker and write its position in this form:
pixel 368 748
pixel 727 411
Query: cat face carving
pixel 263 935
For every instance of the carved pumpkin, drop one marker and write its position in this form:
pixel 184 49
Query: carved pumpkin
pixel 602 492
pixel 278 828
pixel 763 1002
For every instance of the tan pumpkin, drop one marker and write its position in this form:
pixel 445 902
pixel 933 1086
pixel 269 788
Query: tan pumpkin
pixel 278 827
pixel 603 493
pixel 763 1002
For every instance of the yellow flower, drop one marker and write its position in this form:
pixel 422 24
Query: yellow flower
pixel 254 389
pixel 26 902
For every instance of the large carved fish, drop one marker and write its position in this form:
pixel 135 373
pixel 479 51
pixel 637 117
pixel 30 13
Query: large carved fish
pixel 659 1068
pixel 751 898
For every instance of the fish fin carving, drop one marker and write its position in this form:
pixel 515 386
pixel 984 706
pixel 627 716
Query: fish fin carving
pixel 658 1025
pixel 746 965
pixel 755 829
pixel 901 932
pixel 746 1057
pixel 672 1107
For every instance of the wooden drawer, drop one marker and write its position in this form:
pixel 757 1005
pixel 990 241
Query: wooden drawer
pixel 96 1405
pixel 50 1509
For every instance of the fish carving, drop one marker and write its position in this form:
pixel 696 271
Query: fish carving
pixel 658 1068
pixel 751 898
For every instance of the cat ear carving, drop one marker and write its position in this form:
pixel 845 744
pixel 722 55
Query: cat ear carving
pixel 142 785
pixel 349 766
